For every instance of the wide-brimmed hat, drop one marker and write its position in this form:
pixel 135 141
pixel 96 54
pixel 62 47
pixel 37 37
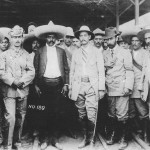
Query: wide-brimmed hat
pixel 70 32
pixel 16 31
pixel 42 31
pixel 120 39
pixel 84 29
pixel 141 34
pixel 98 31
pixel 5 31
pixel 111 32
pixel 1 37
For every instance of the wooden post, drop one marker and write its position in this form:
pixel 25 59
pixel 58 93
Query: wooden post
pixel 117 15
pixel 137 4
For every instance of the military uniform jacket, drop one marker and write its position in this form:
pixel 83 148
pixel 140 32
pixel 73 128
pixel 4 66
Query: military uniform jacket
pixel 95 69
pixel 15 66
pixel 144 83
pixel 119 71
pixel 139 58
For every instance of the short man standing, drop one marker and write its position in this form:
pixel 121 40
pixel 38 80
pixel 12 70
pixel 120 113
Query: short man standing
pixel 52 78
pixel 76 42
pixel 87 83
pixel 16 73
pixel 98 38
pixel 119 81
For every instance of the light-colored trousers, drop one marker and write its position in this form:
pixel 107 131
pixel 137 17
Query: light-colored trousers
pixel 15 111
pixel 86 102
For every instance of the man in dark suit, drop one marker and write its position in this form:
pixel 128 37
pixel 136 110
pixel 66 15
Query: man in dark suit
pixel 52 78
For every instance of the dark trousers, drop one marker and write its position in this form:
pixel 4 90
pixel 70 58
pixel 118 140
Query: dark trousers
pixel 51 99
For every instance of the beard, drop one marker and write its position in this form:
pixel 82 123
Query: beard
pixel 148 44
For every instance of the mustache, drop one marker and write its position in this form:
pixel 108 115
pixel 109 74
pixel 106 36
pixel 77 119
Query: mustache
pixel 83 40
pixel 98 43
pixel 35 47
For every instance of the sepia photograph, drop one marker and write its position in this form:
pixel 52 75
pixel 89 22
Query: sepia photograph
pixel 74 74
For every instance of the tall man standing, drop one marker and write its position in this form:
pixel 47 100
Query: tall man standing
pixel 52 77
pixel 137 106
pixel 16 73
pixel 87 83
pixel 119 81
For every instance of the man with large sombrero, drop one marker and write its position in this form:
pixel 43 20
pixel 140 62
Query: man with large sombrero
pixel 87 83
pixel 52 78
pixel 119 81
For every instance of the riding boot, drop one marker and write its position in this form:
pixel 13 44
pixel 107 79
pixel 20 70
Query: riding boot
pixel 111 131
pixel 83 125
pixel 144 125
pixel 124 133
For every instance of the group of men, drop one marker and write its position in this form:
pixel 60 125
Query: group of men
pixel 53 62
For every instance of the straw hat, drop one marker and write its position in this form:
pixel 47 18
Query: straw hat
pixel 98 31
pixel 84 29
pixel 16 31
pixel 70 32
pixel 5 31
pixel 1 37
pixel 141 34
pixel 43 30
pixel 110 32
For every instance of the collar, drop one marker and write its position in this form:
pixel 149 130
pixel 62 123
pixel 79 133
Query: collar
pixel 50 47
pixel 115 48
pixel 86 48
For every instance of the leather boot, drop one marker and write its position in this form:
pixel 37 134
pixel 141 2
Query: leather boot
pixel 124 132
pixel 111 131
pixel 89 140
pixel 144 125
pixel 83 125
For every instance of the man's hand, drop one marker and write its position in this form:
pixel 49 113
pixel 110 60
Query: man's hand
pixel 38 91
pixel 101 94
pixel 20 85
pixel 16 84
pixel 65 90
pixel 70 94
pixel 126 91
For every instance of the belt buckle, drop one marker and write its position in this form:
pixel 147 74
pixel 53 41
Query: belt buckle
pixel 85 79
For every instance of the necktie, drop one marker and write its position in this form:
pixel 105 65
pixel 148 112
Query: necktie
pixel 84 55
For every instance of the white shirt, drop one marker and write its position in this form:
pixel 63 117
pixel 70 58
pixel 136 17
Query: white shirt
pixel 52 66
pixel 135 53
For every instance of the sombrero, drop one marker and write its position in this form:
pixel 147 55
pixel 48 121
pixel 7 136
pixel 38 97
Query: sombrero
pixel 43 30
